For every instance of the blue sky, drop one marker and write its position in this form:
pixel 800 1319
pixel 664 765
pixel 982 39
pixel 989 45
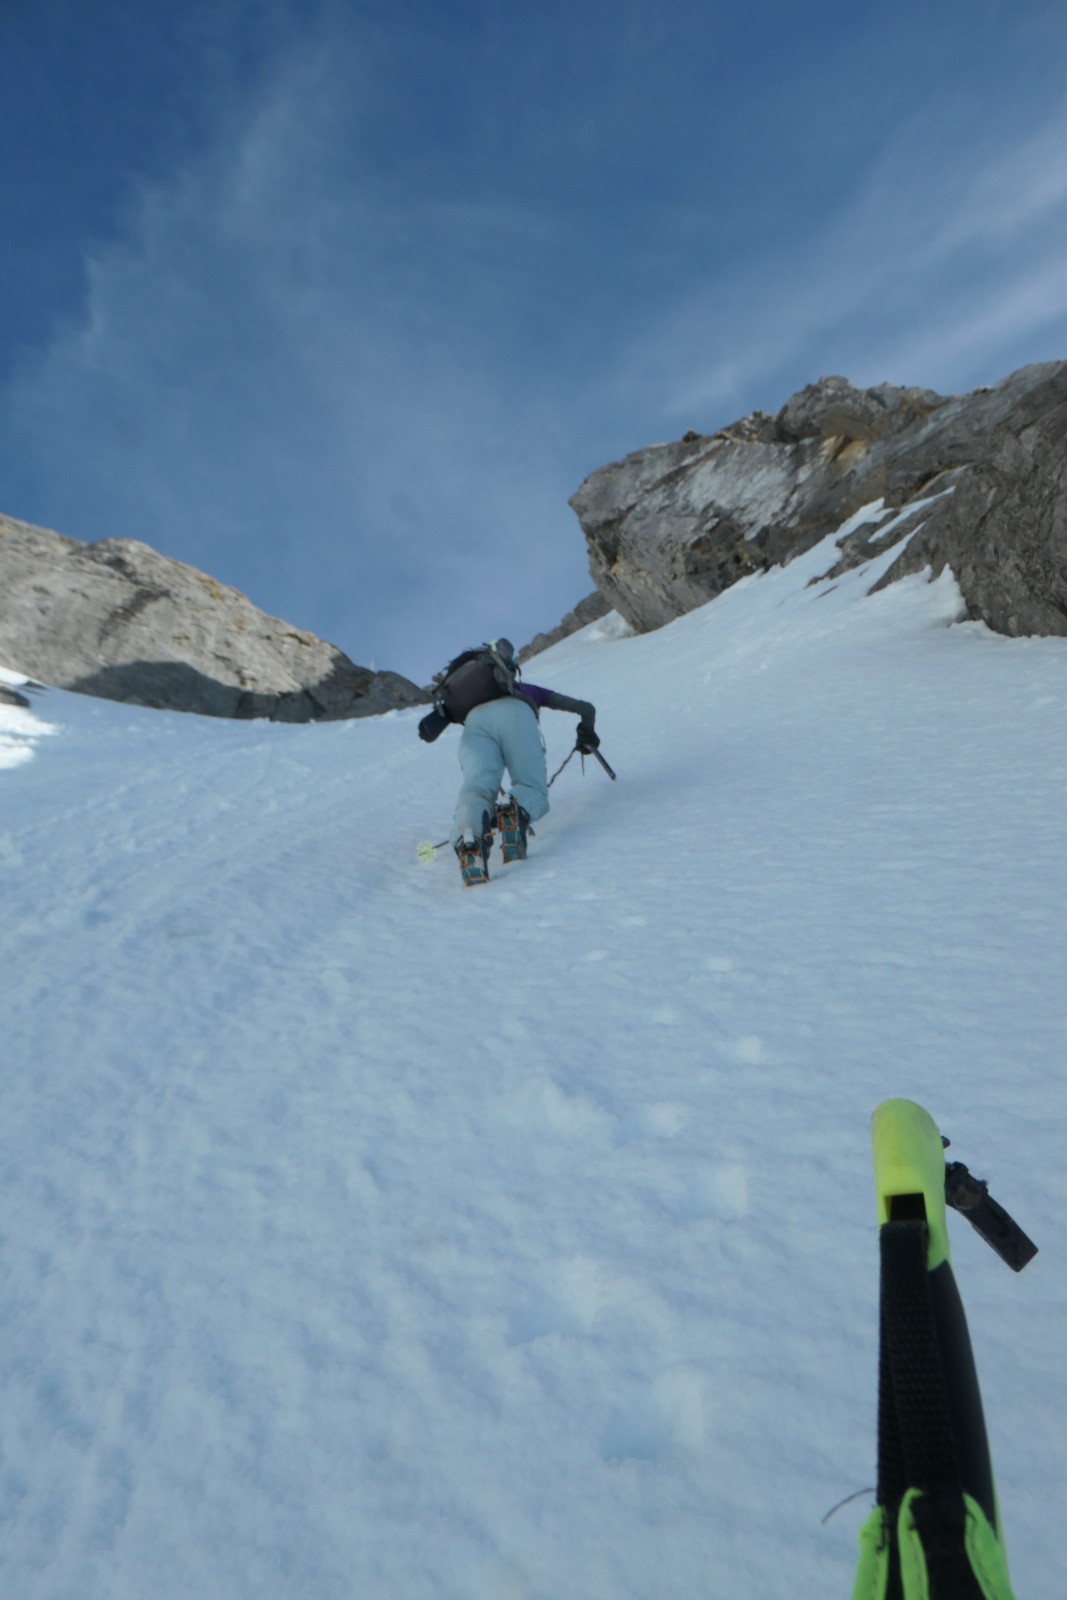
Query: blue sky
pixel 340 302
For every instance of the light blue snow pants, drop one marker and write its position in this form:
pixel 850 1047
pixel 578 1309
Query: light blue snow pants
pixel 500 733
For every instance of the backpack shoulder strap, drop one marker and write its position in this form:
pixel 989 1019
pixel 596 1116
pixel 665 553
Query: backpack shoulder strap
pixel 505 672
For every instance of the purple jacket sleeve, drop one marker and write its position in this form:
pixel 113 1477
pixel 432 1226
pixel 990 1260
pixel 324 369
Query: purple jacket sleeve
pixel 534 693
pixel 554 701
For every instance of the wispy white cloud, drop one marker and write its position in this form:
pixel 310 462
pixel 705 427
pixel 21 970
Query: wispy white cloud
pixel 322 365
pixel 997 318
pixel 945 266
pixel 298 377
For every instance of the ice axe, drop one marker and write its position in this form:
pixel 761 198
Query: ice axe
pixel 935 1532
pixel 583 753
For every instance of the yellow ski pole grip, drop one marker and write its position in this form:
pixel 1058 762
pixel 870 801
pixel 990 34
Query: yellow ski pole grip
pixel 909 1172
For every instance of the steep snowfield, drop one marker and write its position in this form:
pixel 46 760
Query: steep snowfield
pixel 367 1236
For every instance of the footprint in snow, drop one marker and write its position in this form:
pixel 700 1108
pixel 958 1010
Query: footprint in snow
pixel 565 1302
pixel 658 1420
pixel 663 1120
pixel 720 1193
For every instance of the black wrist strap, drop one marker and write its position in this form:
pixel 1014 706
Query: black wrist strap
pixel 923 1408
pixel 916 1448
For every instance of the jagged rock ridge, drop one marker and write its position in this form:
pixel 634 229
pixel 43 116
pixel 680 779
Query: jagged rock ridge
pixel 672 526
pixel 591 609
pixel 119 620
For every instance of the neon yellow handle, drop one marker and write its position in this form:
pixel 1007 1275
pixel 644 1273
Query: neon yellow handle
pixel 909 1171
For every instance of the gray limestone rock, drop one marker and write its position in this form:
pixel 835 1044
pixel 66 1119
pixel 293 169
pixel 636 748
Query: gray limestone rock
pixel 672 526
pixel 833 409
pixel 117 619
pixel 1003 530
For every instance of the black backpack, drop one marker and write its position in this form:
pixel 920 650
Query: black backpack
pixel 471 679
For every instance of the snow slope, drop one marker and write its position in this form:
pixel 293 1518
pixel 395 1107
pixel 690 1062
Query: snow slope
pixel 366 1236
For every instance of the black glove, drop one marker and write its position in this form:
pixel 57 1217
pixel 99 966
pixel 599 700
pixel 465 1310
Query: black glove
pixel 587 740
pixel 432 726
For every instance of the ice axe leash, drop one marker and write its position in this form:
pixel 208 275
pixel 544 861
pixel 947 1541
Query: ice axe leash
pixel 559 769
pixel 935 1531
pixel 583 753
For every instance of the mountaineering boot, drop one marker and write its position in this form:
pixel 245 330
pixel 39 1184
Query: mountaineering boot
pixel 514 824
pixel 473 860
pixel 473 854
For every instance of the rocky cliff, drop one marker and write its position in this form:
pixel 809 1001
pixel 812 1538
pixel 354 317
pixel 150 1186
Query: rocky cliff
pixel 119 620
pixel 979 482
pixel 984 474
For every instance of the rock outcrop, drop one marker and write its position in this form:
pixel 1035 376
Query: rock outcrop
pixel 117 619
pixel 591 609
pixel 983 475
pixel 10 696
pixel 672 526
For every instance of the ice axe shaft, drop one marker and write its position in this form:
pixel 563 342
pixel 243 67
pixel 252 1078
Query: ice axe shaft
pixel 603 763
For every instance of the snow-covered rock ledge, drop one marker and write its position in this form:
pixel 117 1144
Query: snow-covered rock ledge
pixel 19 728
pixel 672 526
